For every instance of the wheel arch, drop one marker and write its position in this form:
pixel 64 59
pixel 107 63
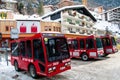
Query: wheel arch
pixel 83 53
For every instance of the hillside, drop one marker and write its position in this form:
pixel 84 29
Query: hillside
pixel 107 4
pixel 32 4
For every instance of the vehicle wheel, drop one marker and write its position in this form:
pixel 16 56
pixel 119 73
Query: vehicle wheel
pixel 32 71
pixel 84 57
pixel 16 66
pixel 105 55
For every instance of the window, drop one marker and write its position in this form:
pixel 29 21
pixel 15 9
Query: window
pixel 54 28
pixel 106 42
pixel 77 30
pixel 75 44
pixel 6 28
pixel 90 43
pixel 22 29
pixel 91 32
pixel 80 24
pixel 59 29
pixel 82 44
pixel 29 48
pixel 52 46
pixel 62 48
pixel 33 28
pixel 57 49
pixel 113 41
pixel 69 20
pixel 70 29
pixel 106 17
pixel 70 12
pixel 98 43
pixel 55 16
pixel 49 28
pixel 70 45
pixel 14 48
pixel 46 28
pixel 22 48
pixel 77 22
pixel 38 50
pixel 83 24
pixel 88 25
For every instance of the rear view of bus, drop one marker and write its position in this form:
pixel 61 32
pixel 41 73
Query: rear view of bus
pixel 43 54
pixel 114 44
pixel 109 45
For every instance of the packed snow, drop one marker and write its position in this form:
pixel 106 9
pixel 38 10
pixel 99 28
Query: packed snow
pixel 100 69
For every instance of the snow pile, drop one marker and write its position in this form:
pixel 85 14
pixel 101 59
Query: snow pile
pixel 4 69
pixel 9 73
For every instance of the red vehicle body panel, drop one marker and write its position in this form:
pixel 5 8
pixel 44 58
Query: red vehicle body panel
pixel 92 53
pixel 110 48
pixel 41 67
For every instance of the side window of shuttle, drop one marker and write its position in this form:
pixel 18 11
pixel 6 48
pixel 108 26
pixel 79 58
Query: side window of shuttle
pixel 38 50
pixel 14 49
pixel 28 49
pixel 22 48
pixel 75 44
pixel 82 44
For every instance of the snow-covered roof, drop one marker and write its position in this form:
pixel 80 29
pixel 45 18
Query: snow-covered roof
pixel 7 19
pixel 26 17
pixel 11 1
pixel 81 7
pixel 4 10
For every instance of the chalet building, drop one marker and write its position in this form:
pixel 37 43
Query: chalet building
pixel 74 20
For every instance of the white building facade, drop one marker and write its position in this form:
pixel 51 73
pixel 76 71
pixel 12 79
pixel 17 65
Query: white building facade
pixel 74 20
pixel 112 15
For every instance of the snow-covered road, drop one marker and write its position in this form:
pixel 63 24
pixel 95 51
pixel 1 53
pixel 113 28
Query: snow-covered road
pixel 101 69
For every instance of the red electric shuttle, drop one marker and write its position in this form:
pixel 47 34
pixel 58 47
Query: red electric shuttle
pixel 44 54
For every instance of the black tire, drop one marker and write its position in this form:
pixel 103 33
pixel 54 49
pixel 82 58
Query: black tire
pixel 32 71
pixel 105 55
pixel 84 57
pixel 16 66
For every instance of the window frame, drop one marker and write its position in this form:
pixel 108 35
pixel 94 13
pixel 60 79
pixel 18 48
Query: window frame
pixel 42 48
pixel 28 45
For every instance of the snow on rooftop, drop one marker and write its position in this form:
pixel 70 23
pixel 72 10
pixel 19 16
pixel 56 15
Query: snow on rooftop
pixel 4 10
pixel 12 1
pixel 63 8
pixel 26 17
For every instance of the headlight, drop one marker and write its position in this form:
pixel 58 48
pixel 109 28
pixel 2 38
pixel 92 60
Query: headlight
pixel 54 68
pixel 50 69
pixel 67 64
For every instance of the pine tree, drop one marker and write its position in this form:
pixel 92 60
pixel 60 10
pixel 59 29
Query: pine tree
pixel 20 7
pixel 40 8
pixel 30 10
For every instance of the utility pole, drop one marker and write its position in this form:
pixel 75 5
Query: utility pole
pixel 6 52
